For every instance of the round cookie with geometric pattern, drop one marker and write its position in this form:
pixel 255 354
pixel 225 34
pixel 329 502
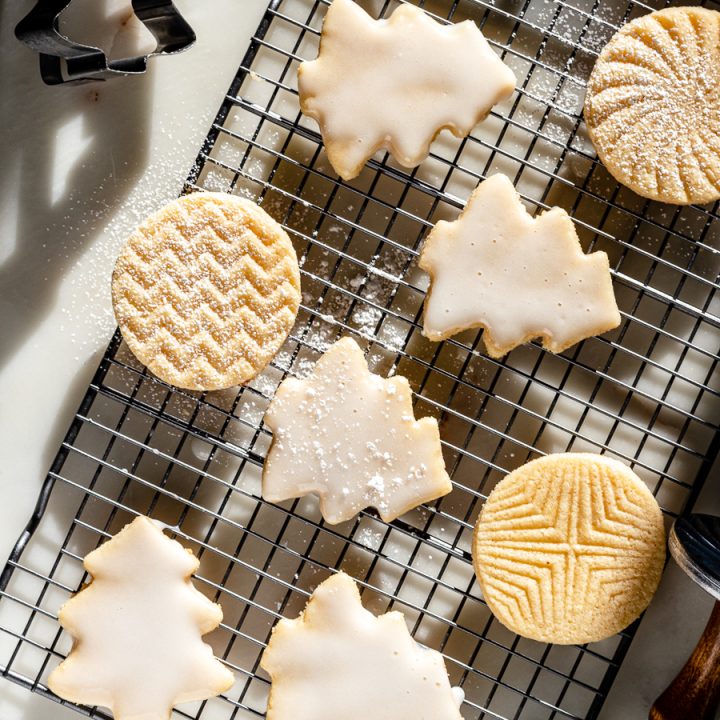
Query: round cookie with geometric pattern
pixel 569 548
pixel 206 290
pixel 653 105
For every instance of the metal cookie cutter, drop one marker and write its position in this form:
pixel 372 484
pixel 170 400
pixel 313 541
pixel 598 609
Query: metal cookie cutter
pixel 65 61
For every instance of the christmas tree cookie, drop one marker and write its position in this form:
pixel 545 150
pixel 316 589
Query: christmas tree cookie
pixel 395 83
pixel 518 276
pixel 351 437
pixel 137 630
pixel 338 661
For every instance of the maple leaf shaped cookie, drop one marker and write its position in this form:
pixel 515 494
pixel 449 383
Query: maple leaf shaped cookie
pixel 395 83
pixel 339 661
pixel 137 629
pixel 351 437
pixel 519 277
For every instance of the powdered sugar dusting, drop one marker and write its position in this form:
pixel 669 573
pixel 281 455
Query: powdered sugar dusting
pixel 351 437
pixel 206 290
pixel 653 107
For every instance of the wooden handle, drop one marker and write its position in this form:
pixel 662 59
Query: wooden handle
pixel 695 692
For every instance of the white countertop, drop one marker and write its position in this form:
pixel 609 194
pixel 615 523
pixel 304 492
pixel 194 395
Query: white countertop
pixel 82 166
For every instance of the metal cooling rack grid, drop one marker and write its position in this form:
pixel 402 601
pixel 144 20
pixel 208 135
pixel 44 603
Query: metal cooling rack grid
pixel 645 394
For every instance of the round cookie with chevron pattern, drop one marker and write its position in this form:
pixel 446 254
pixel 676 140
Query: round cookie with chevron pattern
pixel 653 105
pixel 206 290
pixel 569 548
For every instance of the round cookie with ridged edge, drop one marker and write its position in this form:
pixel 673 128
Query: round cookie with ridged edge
pixel 569 548
pixel 206 290
pixel 653 105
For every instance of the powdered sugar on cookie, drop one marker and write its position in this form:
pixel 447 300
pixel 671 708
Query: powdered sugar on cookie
pixel 653 105
pixel 395 83
pixel 518 277
pixel 206 290
pixel 351 437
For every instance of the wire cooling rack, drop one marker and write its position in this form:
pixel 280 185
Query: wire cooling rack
pixel 646 393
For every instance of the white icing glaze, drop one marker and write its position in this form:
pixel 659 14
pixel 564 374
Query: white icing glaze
pixel 338 661
pixel 518 277
pixel 351 437
pixel 137 629
pixel 458 695
pixel 395 83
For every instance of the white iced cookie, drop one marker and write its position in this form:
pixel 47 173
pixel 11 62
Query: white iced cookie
pixel 137 630
pixel 338 661
pixel 351 437
pixel 395 83
pixel 519 277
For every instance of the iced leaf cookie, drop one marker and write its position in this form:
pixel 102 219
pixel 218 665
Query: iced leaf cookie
pixel 351 437
pixel 337 660
pixel 653 105
pixel 519 277
pixel 569 548
pixel 137 629
pixel 206 290
pixel 395 83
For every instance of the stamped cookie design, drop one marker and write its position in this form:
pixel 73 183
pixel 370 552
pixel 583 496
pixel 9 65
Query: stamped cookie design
pixel 519 277
pixel 206 290
pixel 339 661
pixel 395 83
pixel 569 548
pixel 351 437
pixel 653 105
pixel 137 629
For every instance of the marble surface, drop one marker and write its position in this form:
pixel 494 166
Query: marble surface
pixel 82 165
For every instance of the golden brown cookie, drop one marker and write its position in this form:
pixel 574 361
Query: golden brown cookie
pixel 519 277
pixel 653 105
pixel 569 548
pixel 206 290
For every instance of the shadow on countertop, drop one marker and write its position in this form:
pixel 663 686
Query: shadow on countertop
pixel 61 155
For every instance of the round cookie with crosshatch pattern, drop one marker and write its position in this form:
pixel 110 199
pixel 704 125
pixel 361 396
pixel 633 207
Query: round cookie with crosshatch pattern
pixel 653 105
pixel 206 290
pixel 569 548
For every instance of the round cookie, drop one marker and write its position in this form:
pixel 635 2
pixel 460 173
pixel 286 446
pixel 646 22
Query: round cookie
pixel 653 105
pixel 569 548
pixel 206 290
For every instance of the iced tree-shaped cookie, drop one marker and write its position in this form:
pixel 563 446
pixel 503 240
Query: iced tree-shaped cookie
pixel 137 629
pixel 337 661
pixel 519 277
pixel 351 437
pixel 395 83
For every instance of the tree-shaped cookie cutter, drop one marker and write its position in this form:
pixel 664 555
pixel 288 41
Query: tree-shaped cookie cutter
pixel 65 61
